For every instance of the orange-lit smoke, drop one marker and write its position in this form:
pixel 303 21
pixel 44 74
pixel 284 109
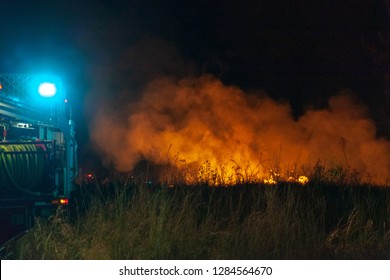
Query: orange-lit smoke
pixel 197 121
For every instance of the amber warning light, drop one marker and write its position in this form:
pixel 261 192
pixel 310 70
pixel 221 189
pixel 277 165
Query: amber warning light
pixel 1 86
pixel 60 201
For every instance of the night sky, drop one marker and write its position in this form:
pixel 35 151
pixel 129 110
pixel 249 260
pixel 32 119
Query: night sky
pixel 302 52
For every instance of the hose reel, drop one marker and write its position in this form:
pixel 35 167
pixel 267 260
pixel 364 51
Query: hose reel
pixel 22 166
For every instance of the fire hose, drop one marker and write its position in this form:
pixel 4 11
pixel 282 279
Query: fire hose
pixel 22 166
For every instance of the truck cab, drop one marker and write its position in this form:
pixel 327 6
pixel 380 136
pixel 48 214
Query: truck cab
pixel 38 150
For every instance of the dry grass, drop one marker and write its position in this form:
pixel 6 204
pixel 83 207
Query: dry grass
pixel 332 217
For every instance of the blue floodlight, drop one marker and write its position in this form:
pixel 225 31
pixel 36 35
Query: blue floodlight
pixel 47 89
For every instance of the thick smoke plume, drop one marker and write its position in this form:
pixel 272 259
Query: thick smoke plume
pixel 191 121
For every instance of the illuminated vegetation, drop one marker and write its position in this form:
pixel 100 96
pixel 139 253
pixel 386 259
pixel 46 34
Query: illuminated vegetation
pixel 333 216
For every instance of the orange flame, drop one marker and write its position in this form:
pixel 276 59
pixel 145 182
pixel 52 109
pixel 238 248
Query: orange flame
pixel 227 135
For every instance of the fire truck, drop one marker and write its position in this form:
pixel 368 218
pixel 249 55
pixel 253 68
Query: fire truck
pixel 38 151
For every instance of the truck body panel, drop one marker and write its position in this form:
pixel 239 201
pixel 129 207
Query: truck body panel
pixel 38 150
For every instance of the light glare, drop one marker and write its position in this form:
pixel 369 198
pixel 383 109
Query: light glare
pixel 47 89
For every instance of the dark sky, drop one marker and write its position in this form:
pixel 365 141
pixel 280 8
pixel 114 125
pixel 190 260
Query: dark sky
pixel 300 51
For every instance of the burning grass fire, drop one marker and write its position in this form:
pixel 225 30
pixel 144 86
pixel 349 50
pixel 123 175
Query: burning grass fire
pixel 222 135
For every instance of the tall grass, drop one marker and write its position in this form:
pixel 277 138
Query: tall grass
pixel 334 216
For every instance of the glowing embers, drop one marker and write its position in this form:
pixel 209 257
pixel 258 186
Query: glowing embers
pixel 273 180
pixel 303 179
pixel 232 174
